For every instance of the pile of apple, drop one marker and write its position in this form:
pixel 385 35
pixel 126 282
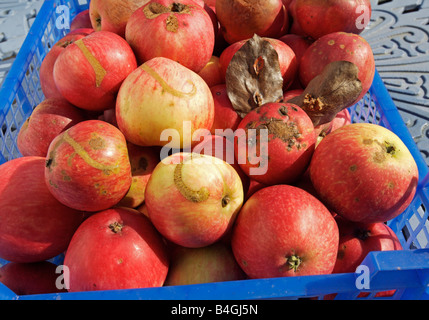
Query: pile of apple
pixel 308 193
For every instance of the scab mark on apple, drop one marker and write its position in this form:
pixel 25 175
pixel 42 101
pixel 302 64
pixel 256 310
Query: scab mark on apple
pixel 155 9
pixel 100 72
pixel 191 195
pixel 165 86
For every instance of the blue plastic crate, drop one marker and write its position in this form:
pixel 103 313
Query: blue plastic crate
pixel 406 271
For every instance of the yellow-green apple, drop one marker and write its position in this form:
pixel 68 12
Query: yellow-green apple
pixel 274 143
pixel 46 73
pixel 81 20
pixel 35 226
pixel 88 167
pixel 364 173
pixel 143 160
pixel 179 30
pixel 287 59
pixel 211 72
pixel 31 278
pixel 48 119
pixel 112 15
pixel 117 248
pixel 283 231
pixel 163 99
pixel 240 20
pixel 225 116
pixel 89 72
pixel 193 199
pixel 213 263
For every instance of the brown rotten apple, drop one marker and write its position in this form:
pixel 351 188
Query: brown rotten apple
pixel 193 199
pixel 112 15
pixel 179 30
pixel 364 173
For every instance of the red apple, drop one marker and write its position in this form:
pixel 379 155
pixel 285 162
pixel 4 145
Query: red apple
pixel 225 116
pixel 115 249
pixel 283 231
pixel 338 46
pixel 240 20
pixel 89 72
pixel 287 59
pixel 182 98
pixel 31 278
pixel 253 187
pixel 222 147
pixel 180 30
pixel 46 73
pixel 318 18
pixel 274 143
pixel 364 172
pixel 213 263
pixel 193 199
pixel 212 73
pixel 81 20
pixel 48 119
pixel 143 160
pixel 299 44
pixel 113 15
pixel 87 166
pixel 35 226
pixel 357 240
pixel 341 119
pixel 289 94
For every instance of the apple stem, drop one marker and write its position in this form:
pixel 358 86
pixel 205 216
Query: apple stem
pixel 294 262
pixel 116 227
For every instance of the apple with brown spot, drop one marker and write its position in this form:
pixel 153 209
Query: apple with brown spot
pixel 274 143
pixel 88 167
pixel 338 46
pixel 89 72
pixel 48 119
pixel 193 199
pixel 113 15
pixel 179 30
pixel 364 173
